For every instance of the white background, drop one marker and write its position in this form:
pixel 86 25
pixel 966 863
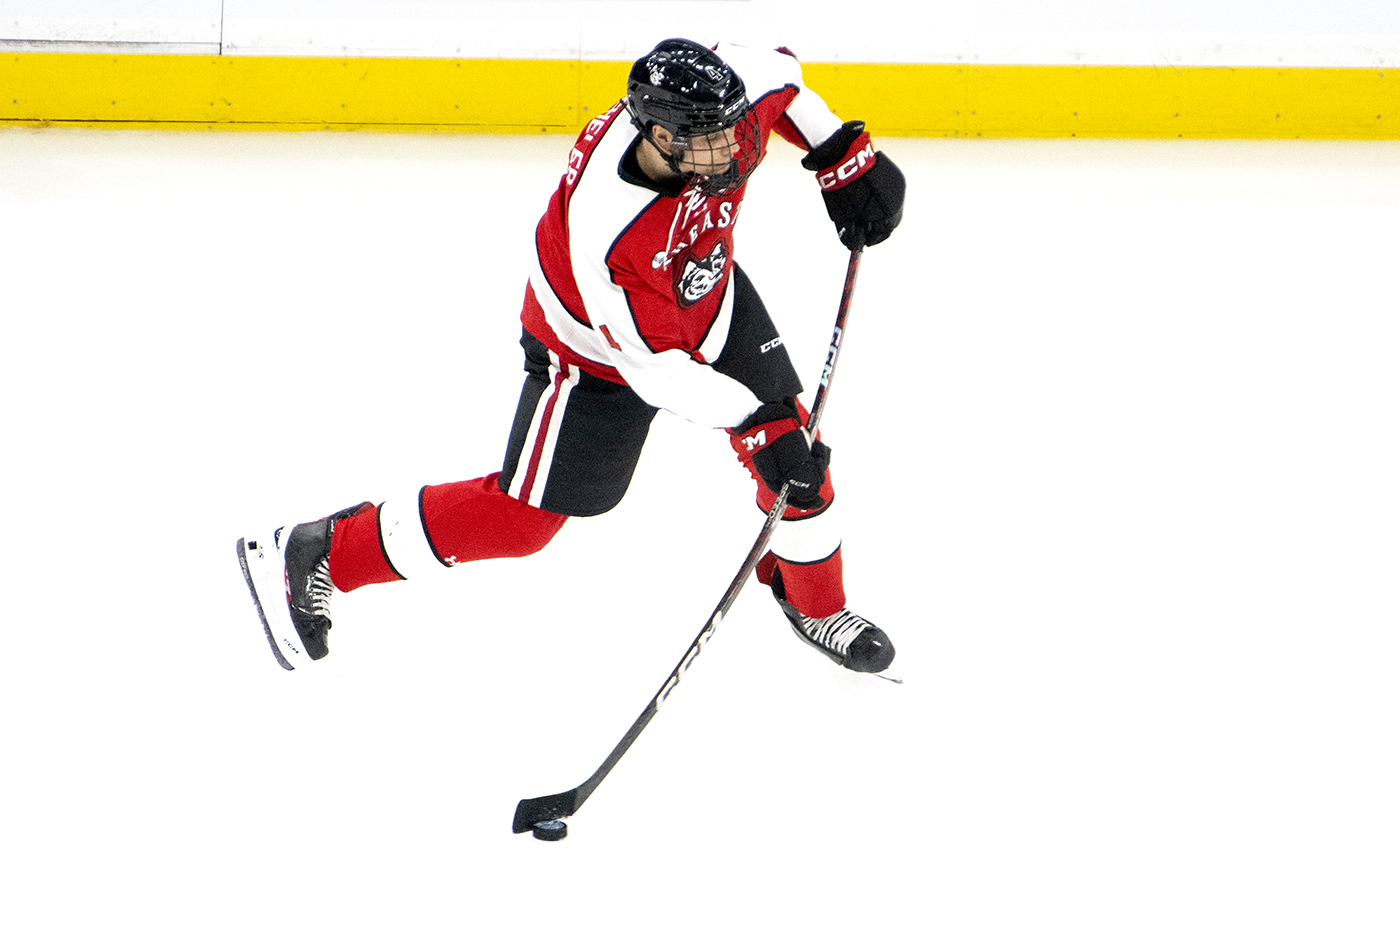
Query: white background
pixel 1114 429
pixel 1354 33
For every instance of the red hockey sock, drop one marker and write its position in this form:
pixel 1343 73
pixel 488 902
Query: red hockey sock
pixel 474 520
pixel 766 565
pixel 817 590
pixel 466 521
pixel 357 557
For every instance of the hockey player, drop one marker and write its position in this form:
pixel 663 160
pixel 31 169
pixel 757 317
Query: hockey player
pixel 635 304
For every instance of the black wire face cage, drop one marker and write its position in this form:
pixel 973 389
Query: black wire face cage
pixel 686 89
pixel 744 156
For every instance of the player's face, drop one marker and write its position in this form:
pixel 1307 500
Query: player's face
pixel 709 154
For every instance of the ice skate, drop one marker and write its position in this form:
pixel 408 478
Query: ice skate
pixel 844 637
pixel 288 575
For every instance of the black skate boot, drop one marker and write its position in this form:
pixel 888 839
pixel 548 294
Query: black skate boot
pixel 845 638
pixel 291 568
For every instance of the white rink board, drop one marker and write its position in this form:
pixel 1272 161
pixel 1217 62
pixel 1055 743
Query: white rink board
pixel 172 26
pixel 1241 33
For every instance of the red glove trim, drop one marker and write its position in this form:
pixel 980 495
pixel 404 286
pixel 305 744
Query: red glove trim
pixel 859 159
pixel 751 441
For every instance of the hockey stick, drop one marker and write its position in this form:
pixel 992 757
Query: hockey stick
pixel 536 810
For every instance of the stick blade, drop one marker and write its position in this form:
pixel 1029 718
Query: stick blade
pixel 538 809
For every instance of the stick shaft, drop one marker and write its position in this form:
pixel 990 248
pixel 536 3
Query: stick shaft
pixel 557 806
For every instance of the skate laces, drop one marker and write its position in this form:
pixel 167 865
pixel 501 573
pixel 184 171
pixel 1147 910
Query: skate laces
pixel 835 632
pixel 319 589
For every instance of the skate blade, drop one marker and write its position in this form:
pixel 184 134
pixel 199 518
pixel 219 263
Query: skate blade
pixel 243 549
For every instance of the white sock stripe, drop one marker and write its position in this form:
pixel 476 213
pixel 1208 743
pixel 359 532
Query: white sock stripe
pixel 811 539
pixel 404 538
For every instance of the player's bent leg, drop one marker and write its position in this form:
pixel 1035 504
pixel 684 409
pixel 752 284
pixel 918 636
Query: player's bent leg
pixel 804 566
pixel 804 570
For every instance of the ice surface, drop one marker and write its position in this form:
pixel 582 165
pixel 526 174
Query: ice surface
pixel 1115 427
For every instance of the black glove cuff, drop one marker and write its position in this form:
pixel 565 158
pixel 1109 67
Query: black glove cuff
pixel 763 414
pixel 834 149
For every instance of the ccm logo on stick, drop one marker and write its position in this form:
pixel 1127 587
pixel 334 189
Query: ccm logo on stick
pixel 849 170
pixel 704 639
pixel 831 353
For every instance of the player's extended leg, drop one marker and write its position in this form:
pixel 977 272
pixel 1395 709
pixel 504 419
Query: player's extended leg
pixel 573 448
pixel 440 527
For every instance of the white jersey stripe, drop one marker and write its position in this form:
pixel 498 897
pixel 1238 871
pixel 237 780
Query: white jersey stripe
pixel 715 340
pixel 578 337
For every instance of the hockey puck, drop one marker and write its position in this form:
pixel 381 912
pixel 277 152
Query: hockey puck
pixel 550 830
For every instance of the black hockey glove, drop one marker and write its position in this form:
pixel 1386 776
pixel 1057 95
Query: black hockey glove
pixel 863 189
pixel 774 445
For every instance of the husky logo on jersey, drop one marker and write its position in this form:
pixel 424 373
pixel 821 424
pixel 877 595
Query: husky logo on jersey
pixel 728 210
pixel 698 277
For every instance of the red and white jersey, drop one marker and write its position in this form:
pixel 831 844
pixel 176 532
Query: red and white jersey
pixel 631 282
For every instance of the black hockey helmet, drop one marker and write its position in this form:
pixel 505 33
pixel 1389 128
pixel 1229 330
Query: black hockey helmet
pixel 687 89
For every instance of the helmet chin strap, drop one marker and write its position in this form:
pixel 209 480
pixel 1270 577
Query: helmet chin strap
pixel 673 161
pixel 710 184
